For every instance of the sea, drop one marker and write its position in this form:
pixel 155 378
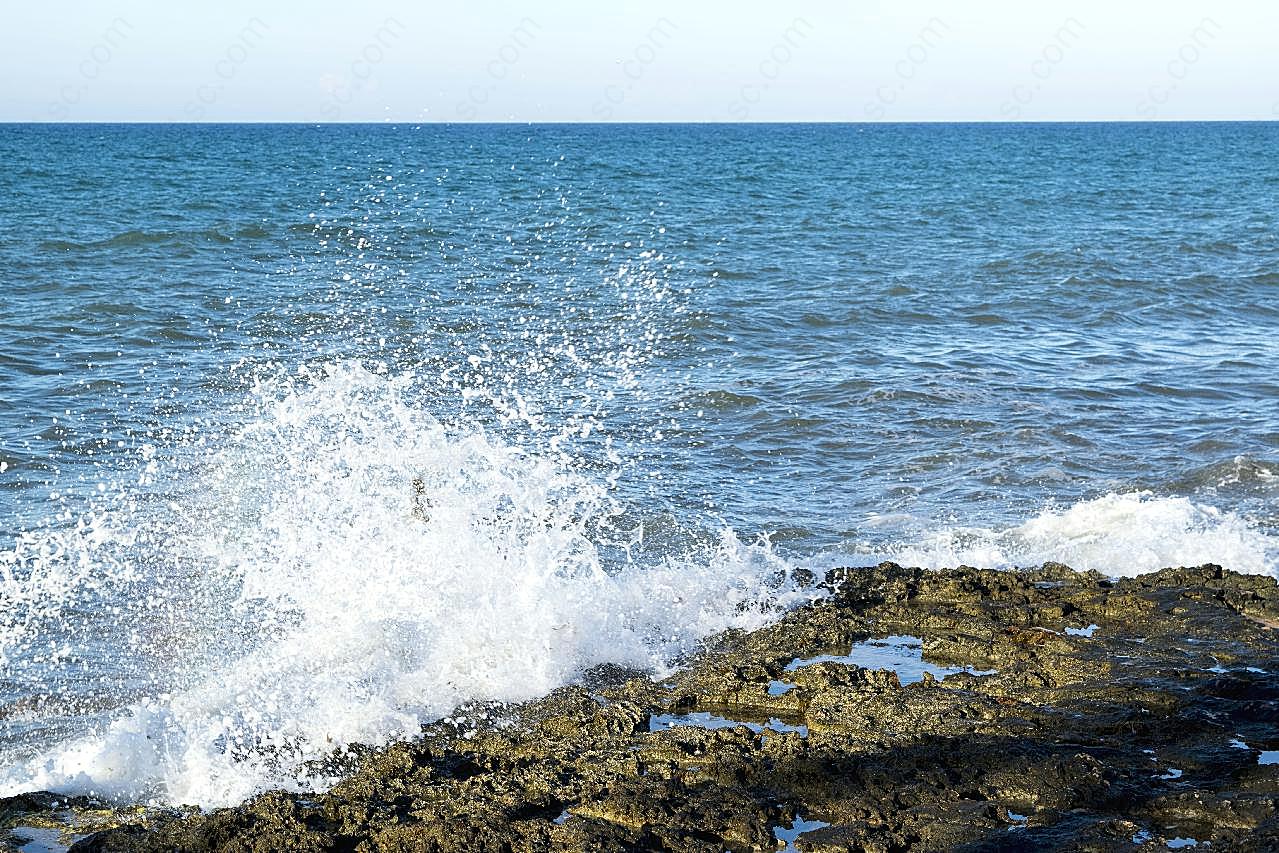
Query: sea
pixel 310 435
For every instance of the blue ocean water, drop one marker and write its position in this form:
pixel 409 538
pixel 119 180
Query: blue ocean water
pixel 309 433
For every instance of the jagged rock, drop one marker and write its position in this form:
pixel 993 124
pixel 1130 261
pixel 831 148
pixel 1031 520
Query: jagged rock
pixel 1113 738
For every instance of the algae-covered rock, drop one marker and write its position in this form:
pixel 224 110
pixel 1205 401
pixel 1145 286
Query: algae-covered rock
pixel 1096 715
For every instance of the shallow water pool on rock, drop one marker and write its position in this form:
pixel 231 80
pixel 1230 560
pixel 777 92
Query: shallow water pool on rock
pixel 704 720
pixel 788 835
pixel 903 655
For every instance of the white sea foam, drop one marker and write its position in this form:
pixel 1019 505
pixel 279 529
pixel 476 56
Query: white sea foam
pixel 342 567
pixel 1116 534
pixel 353 605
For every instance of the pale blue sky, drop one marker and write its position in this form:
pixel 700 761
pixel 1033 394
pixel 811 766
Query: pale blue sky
pixel 699 60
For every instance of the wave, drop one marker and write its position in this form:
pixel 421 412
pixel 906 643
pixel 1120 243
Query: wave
pixel 1239 473
pixel 1208 247
pixel 1119 535
pixel 139 238
pixel 362 568
pixel 721 400
pixel 1266 278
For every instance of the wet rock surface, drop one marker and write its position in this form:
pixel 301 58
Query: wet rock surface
pixel 1111 715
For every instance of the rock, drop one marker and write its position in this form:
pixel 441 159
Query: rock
pixel 1114 741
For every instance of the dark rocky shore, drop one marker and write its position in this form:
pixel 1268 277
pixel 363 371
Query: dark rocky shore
pixel 1153 727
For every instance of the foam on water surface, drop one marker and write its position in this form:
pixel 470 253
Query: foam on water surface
pixel 359 567
pixel 1120 535
pixel 367 569
pixel 349 567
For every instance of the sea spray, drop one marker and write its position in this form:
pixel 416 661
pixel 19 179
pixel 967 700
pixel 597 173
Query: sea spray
pixel 338 565
pixel 1117 534
pixel 341 615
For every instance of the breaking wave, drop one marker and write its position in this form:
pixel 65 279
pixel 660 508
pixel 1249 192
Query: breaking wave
pixel 343 568
pixel 1120 535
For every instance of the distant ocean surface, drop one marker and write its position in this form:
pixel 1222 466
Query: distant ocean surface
pixel 310 434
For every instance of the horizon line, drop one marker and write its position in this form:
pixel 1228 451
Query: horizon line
pixel 572 122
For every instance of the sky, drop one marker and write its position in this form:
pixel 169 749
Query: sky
pixel 697 60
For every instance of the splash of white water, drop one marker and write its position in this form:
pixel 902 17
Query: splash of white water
pixel 365 569
pixel 1117 534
